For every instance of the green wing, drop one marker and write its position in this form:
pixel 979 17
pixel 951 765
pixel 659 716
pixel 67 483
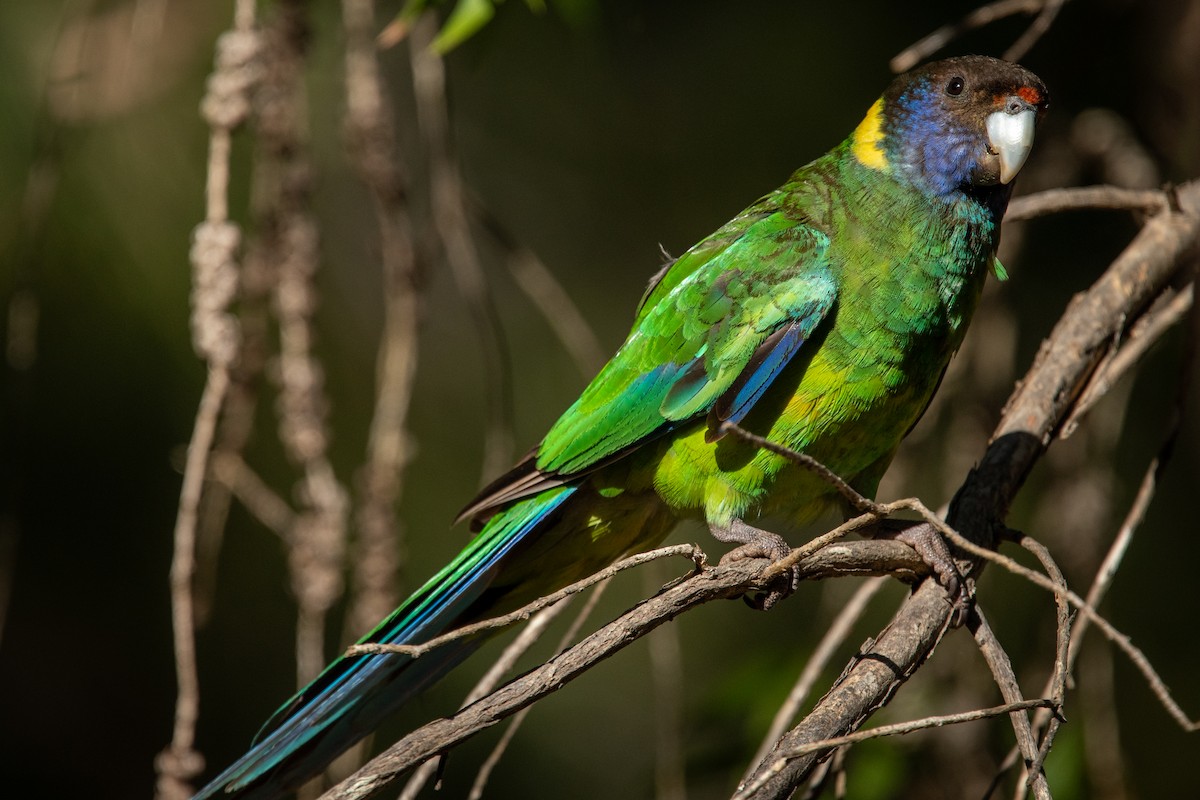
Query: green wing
pixel 710 336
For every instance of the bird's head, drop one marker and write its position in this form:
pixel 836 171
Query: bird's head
pixel 962 124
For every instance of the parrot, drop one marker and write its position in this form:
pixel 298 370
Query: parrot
pixel 822 317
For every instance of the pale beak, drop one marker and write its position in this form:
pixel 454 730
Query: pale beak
pixel 1010 134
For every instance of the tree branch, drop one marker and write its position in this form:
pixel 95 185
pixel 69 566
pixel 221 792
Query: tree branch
pixel 898 728
pixel 711 583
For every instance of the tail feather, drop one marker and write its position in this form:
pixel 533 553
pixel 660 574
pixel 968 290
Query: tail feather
pixel 354 694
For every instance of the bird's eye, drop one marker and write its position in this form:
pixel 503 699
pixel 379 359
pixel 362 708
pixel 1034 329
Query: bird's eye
pixel 955 86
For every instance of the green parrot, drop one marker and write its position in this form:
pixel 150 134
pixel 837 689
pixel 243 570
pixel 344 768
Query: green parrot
pixel 822 317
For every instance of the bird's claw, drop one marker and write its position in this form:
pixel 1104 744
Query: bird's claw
pixel 757 543
pixel 931 546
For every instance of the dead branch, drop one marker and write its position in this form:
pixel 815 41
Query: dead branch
pixel 215 277
pixel 1035 31
pixel 899 728
pixel 712 583
pixel 1054 201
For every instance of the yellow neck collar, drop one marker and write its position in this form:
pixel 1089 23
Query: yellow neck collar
pixel 868 138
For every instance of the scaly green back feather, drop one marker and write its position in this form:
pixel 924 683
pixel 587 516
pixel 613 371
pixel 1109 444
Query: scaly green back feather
pixel 698 337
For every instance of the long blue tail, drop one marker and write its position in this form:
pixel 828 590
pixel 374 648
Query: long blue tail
pixel 353 695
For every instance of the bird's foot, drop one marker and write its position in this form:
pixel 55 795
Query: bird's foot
pixel 931 547
pixel 757 543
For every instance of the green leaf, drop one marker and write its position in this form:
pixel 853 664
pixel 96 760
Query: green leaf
pixel 998 268
pixel 464 21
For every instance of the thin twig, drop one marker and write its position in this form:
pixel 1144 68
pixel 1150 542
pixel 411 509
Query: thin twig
pixel 560 311
pixel 1002 673
pixel 234 431
pixel 1111 633
pixel 232 472
pixel 495 673
pixel 860 503
pixel 453 228
pixel 1062 667
pixel 489 763
pixel 1047 11
pixel 1035 31
pixel 1107 570
pixel 897 729
pixel 1141 503
pixel 985 15
pixel 1141 337
pixel 1055 201
pixel 215 339
pixel 180 762
pixel 690 551
pixel 548 295
pixel 819 543
pixel 1062 648
pixel 1105 574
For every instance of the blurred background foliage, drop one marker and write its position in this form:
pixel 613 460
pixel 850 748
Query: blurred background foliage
pixel 594 132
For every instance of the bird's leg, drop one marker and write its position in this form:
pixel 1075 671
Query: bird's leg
pixel 931 547
pixel 757 543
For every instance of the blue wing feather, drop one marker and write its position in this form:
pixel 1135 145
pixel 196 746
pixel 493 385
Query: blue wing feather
pixel 776 352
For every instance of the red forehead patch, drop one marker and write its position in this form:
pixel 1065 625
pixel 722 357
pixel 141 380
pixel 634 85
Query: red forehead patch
pixel 1029 95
